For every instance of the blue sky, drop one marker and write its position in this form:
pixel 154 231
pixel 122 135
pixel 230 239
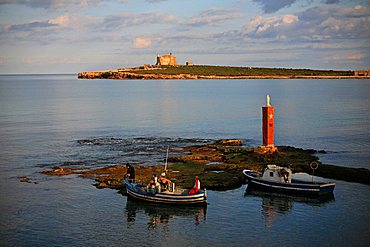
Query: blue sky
pixel 53 36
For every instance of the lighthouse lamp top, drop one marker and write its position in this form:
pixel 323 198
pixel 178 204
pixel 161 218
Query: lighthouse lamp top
pixel 268 100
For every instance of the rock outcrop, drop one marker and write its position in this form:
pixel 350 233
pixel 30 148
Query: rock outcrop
pixel 219 166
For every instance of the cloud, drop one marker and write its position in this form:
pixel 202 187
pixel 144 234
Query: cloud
pixel 51 4
pixel 60 20
pixel 129 20
pixel 141 43
pixel 271 6
pixel 214 16
pixel 356 56
pixel 91 24
pixel 271 25
pixel 317 23
pixel 155 1
pixel 336 21
pixel 30 27
pixel 349 56
pixel 331 1
pixel 37 25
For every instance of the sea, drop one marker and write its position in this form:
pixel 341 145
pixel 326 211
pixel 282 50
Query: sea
pixel 48 120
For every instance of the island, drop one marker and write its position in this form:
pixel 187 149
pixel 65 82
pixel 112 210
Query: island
pixel 167 68
pixel 219 166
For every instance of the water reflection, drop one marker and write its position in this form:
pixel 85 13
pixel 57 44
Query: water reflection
pixel 162 214
pixel 274 203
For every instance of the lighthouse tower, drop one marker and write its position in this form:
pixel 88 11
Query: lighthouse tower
pixel 268 125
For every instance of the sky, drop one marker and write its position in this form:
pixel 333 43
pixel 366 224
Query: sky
pixel 54 36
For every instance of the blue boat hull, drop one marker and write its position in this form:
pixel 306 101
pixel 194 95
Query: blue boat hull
pixel 138 192
pixel 296 187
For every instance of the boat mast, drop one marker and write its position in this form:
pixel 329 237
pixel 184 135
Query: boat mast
pixel 165 164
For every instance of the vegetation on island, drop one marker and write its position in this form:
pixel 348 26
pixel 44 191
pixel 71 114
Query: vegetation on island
pixel 194 72
pixel 208 70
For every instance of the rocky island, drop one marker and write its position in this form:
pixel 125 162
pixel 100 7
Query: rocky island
pixel 167 68
pixel 219 166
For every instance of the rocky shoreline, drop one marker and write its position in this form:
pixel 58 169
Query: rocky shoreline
pixel 126 75
pixel 219 166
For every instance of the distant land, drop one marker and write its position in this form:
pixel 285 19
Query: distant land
pixel 167 68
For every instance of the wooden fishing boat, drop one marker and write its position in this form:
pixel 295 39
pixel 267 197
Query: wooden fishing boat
pixel 279 179
pixel 138 191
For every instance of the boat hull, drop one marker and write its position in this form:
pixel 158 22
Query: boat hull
pixel 138 192
pixel 296 187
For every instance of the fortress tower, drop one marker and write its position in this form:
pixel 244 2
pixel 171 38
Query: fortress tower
pixel 268 124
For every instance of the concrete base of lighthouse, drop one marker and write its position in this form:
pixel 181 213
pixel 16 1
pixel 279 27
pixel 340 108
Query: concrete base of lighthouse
pixel 270 149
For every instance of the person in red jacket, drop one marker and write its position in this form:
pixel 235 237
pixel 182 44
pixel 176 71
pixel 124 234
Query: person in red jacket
pixel 196 187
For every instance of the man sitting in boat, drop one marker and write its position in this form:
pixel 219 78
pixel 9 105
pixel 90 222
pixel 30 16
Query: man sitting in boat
pixel 196 187
pixel 165 183
pixel 157 184
pixel 285 174
pixel 150 188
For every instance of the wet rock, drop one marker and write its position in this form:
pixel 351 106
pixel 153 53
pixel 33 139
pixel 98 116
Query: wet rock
pixel 61 171
pixel 25 179
pixel 101 185
pixel 230 142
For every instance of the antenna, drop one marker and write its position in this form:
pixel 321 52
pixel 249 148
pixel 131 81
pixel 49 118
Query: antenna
pixel 314 165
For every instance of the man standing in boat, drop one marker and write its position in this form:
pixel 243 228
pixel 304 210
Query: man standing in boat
pixel 130 174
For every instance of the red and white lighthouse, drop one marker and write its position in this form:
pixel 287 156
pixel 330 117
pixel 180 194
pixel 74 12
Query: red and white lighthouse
pixel 268 124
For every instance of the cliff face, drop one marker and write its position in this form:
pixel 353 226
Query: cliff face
pixel 90 75
pixel 123 75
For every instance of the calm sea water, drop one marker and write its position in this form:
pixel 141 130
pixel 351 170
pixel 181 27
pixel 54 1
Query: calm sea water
pixel 46 120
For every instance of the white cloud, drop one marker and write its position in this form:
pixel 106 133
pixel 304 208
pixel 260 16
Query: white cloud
pixel 52 4
pixel 60 20
pixel 260 24
pixel 141 43
pixel 318 23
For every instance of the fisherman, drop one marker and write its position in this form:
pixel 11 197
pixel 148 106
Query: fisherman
pixel 151 187
pixel 130 174
pixel 196 187
pixel 285 174
pixel 157 184
pixel 165 183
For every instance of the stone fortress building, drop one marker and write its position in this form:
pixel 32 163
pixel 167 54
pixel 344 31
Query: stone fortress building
pixel 167 59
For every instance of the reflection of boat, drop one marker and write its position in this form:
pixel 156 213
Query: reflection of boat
pixel 279 179
pixel 274 204
pixel 288 198
pixel 162 213
pixel 139 192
